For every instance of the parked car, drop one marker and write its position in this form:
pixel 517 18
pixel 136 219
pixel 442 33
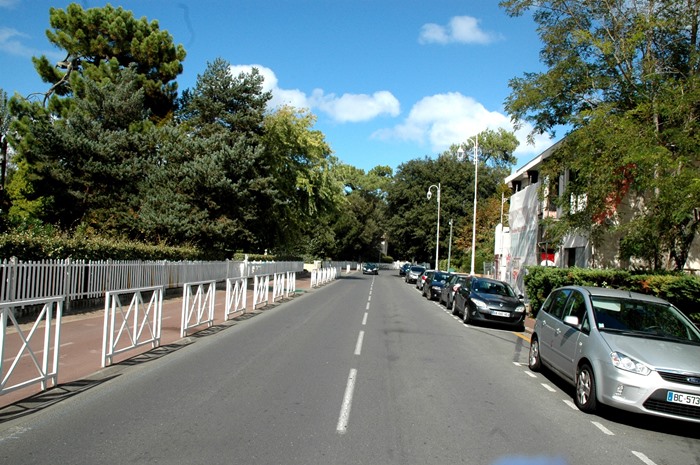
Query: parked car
pixel 414 273
pixel 370 268
pixel 432 287
pixel 448 291
pixel 485 299
pixel 421 280
pixel 404 268
pixel 623 349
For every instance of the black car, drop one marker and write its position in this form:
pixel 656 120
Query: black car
pixel 434 282
pixel 404 268
pixel 448 292
pixel 370 268
pixel 485 299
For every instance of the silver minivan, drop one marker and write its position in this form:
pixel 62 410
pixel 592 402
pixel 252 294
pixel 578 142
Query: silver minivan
pixel 623 349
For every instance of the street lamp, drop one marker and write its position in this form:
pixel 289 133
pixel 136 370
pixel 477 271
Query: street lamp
pixel 437 234
pixel 449 248
pixel 460 155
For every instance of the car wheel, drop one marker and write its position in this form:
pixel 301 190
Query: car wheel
pixel 585 397
pixel 467 317
pixel 453 307
pixel 533 360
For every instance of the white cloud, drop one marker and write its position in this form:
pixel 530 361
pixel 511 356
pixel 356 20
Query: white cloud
pixel 12 42
pixel 346 108
pixel 460 29
pixel 441 120
pixel 8 3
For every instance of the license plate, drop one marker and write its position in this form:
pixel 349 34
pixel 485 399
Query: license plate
pixel 497 313
pixel 680 398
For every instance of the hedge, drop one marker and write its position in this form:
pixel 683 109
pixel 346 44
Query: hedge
pixel 681 290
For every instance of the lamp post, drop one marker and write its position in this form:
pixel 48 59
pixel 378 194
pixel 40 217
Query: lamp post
pixel 437 234
pixel 449 248
pixel 460 154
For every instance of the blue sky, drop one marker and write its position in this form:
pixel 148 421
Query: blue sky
pixel 389 80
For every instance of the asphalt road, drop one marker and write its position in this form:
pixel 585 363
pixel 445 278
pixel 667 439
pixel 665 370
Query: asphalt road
pixel 361 371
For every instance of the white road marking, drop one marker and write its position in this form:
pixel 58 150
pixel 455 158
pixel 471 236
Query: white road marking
pixel 571 404
pixel 367 308
pixel 603 428
pixel 364 319
pixel 358 346
pixel 530 374
pixel 643 458
pixel 347 403
pixel 548 387
pixel 517 364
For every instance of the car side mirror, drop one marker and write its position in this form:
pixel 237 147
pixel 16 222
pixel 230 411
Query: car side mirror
pixel 521 297
pixel 571 320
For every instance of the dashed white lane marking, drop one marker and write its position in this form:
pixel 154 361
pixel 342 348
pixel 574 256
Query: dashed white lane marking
pixel 548 387
pixel 603 428
pixel 358 346
pixel 530 374
pixel 347 403
pixel 367 307
pixel 364 320
pixel 643 458
pixel 570 404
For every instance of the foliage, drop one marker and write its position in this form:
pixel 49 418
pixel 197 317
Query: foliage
pixel 624 77
pixel 85 167
pixel 413 223
pixel 100 41
pixel 681 290
pixel 46 244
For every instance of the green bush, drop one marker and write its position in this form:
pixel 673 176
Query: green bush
pixel 681 290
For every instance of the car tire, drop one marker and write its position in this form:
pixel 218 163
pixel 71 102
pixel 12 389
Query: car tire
pixel 533 359
pixel 585 396
pixel 465 314
pixel 454 307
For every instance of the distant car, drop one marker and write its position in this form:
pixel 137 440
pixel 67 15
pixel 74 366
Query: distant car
pixel 432 287
pixel 414 273
pixel 448 291
pixel 624 349
pixel 404 268
pixel 485 299
pixel 370 268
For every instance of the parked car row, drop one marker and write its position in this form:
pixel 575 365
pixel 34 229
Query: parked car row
pixel 473 298
pixel 623 349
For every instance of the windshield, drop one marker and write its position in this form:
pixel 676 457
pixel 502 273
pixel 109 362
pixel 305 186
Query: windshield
pixel 440 277
pixel 492 287
pixel 643 317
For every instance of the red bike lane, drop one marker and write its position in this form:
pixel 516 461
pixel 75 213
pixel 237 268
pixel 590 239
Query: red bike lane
pixel 80 350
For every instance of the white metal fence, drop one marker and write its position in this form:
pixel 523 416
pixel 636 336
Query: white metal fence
pixel 83 279
pixel 33 346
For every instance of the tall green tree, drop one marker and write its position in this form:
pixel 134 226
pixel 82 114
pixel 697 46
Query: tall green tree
pixel 413 221
pixel 304 185
pixel 362 222
pixel 84 168
pixel 624 77
pixel 99 41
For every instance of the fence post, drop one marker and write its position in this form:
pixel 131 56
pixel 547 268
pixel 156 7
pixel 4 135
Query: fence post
pixel 12 294
pixel 68 263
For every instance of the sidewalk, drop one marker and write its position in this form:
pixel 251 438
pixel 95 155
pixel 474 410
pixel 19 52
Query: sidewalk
pixel 80 356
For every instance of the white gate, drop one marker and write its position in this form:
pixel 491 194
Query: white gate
pixel 278 290
pixel 45 372
pixel 291 283
pixel 199 305
pixel 236 289
pixel 261 293
pixel 138 325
